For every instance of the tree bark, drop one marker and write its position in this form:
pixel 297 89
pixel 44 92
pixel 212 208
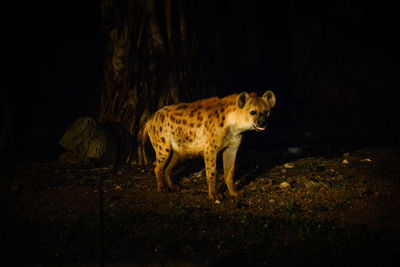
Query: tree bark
pixel 151 61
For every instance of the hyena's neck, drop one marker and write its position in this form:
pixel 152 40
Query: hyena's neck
pixel 234 116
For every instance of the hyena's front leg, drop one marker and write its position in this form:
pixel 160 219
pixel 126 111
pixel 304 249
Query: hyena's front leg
pixel 229 157
pixel 210 160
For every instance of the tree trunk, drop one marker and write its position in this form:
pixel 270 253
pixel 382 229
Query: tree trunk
pixel 151 61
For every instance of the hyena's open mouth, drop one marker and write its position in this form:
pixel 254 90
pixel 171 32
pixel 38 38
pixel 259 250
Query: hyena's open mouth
pixel 258 129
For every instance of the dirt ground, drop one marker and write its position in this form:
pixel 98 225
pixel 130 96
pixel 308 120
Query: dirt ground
pixel 326 206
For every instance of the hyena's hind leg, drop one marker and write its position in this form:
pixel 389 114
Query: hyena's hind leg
pixel 172 163
pixel 162 157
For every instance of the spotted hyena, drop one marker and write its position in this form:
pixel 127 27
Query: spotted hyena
pixel 204 127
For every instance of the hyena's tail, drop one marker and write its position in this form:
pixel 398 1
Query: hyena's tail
pixel 143 136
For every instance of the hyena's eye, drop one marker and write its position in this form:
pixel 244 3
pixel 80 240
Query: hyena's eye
pixel 253 112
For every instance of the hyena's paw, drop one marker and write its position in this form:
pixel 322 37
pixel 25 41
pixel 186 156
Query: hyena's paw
pixel 217 197
pixel 235 194
pixel 162 189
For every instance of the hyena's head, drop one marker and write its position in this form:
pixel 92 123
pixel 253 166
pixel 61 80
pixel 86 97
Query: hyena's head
pixel 255 110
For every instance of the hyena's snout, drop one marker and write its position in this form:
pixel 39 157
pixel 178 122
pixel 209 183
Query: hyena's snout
pixel 262 121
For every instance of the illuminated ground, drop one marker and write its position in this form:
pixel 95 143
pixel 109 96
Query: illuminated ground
pixel 321 211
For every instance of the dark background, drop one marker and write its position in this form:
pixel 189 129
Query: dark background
pixel 333 67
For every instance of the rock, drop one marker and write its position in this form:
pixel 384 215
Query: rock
pixel 284 185
pixel 88 138
pixel 288 165
pixel 118 188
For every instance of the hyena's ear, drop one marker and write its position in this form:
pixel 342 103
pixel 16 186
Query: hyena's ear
pixel 242 99
pixel 269 96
